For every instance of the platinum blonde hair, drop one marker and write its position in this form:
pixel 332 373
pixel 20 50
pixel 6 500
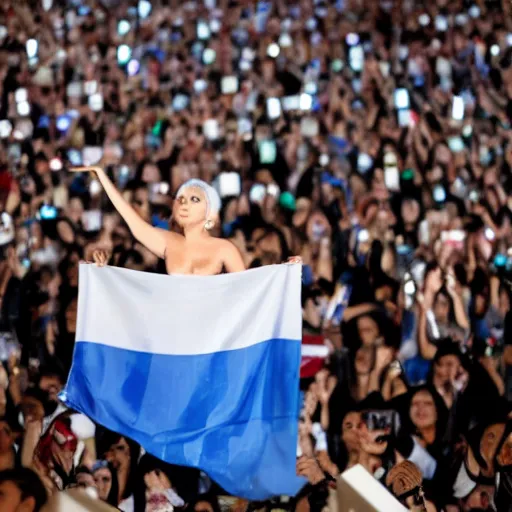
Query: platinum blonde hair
pixel 213 202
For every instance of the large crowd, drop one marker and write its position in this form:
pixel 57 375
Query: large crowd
pixel 372 138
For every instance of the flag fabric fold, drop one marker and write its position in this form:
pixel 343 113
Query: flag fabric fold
pixel 202 371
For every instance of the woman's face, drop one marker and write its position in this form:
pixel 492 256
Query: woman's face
pixel 410 211
pixel 368 330
pixel 103 479
pixel 318 227
pixel 119 454
pixel 52 385
pixel 6 437
pixel 203 506
pixel 75 210
pixel 268 248
pixel 364 361
pixel 350 431
pixel 441 308
pixel 190 207
pixel 423 411
pixel 150 174
pixel 36 230
pixel 447 368
pixel 85 480
pixel 302 211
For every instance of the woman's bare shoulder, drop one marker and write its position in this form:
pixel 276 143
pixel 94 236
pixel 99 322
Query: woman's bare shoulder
pixel 230 255
pixel 221 242
pixel 223 245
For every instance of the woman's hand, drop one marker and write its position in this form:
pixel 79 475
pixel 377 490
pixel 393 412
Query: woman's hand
pixel 160 496
pixel 374 442
pixel 157 481
pixel 308 467
pixel 325 386
pixel 394 371
pixel 100 257
pixel 383 358
pixel 433 282
pixel 43 474
pixel 451 283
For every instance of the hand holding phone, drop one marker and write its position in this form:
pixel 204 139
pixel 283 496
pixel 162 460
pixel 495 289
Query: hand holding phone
pixel 395 370
pixel 373 441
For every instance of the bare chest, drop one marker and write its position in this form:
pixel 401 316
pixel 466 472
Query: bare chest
pixel 200 260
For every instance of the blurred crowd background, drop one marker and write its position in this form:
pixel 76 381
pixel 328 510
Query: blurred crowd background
pixel 371 137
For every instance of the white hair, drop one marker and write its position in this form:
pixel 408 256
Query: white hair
pixel 213 202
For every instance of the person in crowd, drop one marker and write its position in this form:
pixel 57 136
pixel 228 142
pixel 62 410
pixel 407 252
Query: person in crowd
pixel 21 489
pixel 104 476
pixel 123 456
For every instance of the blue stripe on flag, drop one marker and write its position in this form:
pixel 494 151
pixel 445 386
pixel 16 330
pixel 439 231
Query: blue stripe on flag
pixel 233 414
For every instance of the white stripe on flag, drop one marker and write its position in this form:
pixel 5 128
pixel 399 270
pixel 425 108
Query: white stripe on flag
pixel 143 312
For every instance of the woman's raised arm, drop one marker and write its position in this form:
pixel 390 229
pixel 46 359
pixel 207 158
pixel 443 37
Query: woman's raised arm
pixel 155 239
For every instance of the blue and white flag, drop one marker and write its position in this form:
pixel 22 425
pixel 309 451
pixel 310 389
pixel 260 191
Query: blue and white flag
pixel 202 371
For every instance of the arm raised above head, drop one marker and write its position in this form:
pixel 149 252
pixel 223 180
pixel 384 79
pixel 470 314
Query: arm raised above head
pixel 155 239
